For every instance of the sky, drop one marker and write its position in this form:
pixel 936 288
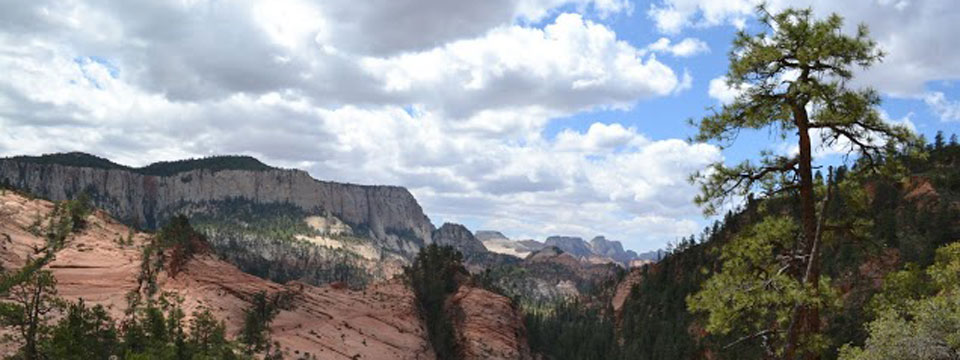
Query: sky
pixel 531 117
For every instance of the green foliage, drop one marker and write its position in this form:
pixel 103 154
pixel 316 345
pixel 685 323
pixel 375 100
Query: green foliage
pixel 255 334
pixel 163 168
pixel 572 330
pixel 821 58
pixel 918 314
pixel 156 331
pixel 213 163
pixel 208 337
pixel 33 300
pixel 77 159
pixel 84 333
pixel 754 295
pixel 182 240
pixel 261 239
pixel 435 275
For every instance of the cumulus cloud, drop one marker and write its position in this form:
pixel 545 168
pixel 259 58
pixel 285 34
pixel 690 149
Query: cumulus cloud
pixel 456 110
pixel 672 16
pixel 945 109
pixel 571 64
pixel 722 92
pixel 684 48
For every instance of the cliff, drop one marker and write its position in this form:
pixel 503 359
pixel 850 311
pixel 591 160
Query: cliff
pixel 148 196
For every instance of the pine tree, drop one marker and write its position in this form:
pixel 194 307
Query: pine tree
pixel 793 79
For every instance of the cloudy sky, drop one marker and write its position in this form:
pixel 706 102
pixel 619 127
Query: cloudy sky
pixel 533 117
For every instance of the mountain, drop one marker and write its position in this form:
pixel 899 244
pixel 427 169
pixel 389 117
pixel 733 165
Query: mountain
pixel 458 237
pixel 103 263
pixel 612 249
pixel 599 250
pixel 496 242
pixel 572 245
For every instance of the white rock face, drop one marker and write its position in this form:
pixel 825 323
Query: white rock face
pixel 391 213
pixel 496 242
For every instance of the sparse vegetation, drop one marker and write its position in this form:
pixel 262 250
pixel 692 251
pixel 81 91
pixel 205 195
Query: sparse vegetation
pixel 255 334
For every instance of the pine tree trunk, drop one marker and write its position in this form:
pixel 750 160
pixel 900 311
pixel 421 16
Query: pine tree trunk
pixel 805 319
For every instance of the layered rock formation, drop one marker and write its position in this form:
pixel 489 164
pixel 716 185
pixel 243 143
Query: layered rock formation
pixel 476 311
pixel 146 196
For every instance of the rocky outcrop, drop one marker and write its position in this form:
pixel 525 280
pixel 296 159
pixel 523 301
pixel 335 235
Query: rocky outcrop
pixel 489 325
pixel 572 245
pixel 390 214
pixel 458 237
pixel 622 291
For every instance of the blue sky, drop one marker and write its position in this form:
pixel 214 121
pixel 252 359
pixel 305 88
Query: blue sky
pixel 532 117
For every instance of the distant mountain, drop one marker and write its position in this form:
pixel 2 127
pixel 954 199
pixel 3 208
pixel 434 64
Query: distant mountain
pixel 458 237
pixel 598 250
pixel 496 242
pixel 612 249
pixel 570 244
pixel 654 255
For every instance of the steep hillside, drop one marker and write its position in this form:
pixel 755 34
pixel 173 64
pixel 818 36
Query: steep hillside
pixel 101 265
pixel 901 222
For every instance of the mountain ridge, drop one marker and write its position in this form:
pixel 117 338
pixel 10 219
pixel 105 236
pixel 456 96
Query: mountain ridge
pixel 148 195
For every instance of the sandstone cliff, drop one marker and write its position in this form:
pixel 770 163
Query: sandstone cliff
pixel 147 196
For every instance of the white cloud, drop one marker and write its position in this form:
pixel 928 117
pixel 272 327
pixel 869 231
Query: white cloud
pixel 599 138
pixel 684 48
pixel 722 92
pixel 945 109
pixel 671 16
pixel 571 64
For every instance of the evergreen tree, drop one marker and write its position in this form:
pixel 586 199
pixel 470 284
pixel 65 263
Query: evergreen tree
pixel 433 276
pixel 793 80
pixel 29 312
pixel 84 333
pixel 255 334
